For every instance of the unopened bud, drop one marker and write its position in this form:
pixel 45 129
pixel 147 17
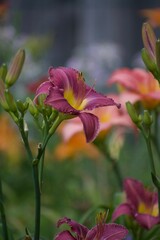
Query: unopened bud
pixel 15 68
pixel 3 71
pixel 148 61
pixel 147 118
pixel 132 113
pixel 10 101
pixel 22 107
pixel 158 53
pixel 149 40
pixel 3 101
pixel 32 108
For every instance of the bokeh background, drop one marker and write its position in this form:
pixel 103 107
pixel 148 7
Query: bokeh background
pixel 96 37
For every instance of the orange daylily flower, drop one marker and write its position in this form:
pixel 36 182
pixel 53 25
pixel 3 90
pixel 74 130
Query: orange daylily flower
pixel 153 16
pixel 140 84
pixel 74 147
pixel 10 143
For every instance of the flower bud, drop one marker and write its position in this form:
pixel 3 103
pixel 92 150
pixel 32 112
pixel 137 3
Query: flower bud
pixel 149 40
pixel 132 113
pixel 22 107
pixel 10 101
pixel 148 61
pixel 147 118
pixel 32 108
pixel 3 101
pixel 158 53
pixel 3 71
pixel 15 68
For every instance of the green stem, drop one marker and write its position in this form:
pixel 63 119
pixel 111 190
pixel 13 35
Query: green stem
pixel 36 180
pixel 113 162
pixel 41 170
pixel 139 233
pixel 148 143
pixel 37 199
pixel 41 152
pixel 153 170
pixel 116 169
pixel 3 215
pixel 158 199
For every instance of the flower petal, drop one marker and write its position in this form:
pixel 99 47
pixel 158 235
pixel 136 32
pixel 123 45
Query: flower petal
pixel 90 125
pixel 136 193
pixel 110 231
pixel 146 220
pixel 43 89
pixel 95 100
pixel 64 235
pixel 68 78
pixel 56 99
pixel 149 39
pixel 77 228
pixel 114 231
pixel 122 209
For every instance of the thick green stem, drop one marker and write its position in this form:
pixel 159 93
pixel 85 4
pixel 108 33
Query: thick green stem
pixel 148 143
pixel 35 179
pixel 41 152
pixel 3 216
pixel 37 199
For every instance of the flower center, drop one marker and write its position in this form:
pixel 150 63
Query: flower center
pixel 144 209
pixel 76 103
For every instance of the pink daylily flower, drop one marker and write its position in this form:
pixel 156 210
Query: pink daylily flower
pixel 141 204
pixel 101 231
pixel 139 83
pixel 67 92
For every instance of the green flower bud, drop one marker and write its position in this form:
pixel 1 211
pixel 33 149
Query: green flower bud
pixel 32 108
pixel 158 53
pixel 3 71
pixel 148 61
pixel 132 113
pixel 10 101
pixel 149 40
pixel 15 68
pixel 3 101
pixel 22 107
pixel 147 118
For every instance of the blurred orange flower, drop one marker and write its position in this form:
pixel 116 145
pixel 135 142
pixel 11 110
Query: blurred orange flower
pixel 10 144
pixel 152 15
pixel 139 84
pixel 4 6
pixel 76 146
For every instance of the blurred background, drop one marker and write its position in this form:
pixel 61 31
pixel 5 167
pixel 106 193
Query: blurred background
pixel 96 37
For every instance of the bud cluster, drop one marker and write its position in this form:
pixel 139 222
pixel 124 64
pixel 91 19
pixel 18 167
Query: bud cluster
pixel 142 121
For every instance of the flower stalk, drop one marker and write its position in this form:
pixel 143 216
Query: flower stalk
pixel 3 215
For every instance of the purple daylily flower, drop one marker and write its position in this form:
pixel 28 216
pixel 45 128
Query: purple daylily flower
pixel 141 204
pixel 101 231
pixel 67 92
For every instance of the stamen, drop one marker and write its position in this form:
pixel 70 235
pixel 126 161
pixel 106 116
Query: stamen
pixel 101 220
